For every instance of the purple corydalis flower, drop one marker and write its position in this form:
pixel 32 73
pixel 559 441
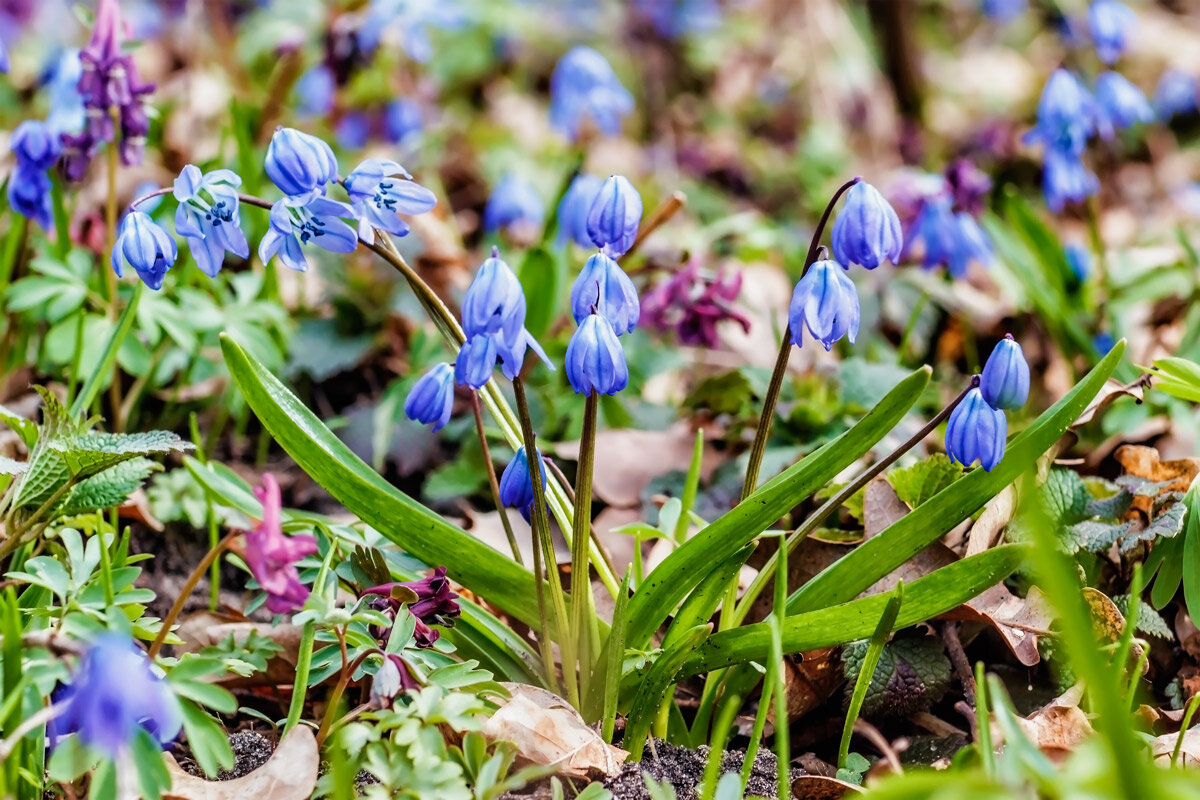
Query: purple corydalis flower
pixel 149 249
pixel 380 190
pixel 613 219
pixel 595 361
pixel 583 86
pixel 272 556
pixel 1004 383
pixel 693 303
pixel 976 431
pixel 432 397
pixel 867 230
pixel 317 221
pixel 603 288
pixel 435 603
pixel 207 216
pixel 114 694
pixel 826 302
pixel 968 185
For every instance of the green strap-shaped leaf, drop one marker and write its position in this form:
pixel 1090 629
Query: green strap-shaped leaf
pixel 925 598
pixel 676 576
pixel 654 687
pixel 900 541
pixel 361 490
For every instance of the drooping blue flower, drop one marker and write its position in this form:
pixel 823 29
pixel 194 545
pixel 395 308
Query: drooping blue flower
pixel 976 431
pixel 1079 260
pixel 146 247
pixel 380 190
pixel 318 221
pixel 675 18
pixel 1176 93
pixel 1065 178
pixel 574 207
pixel 513 205
pixel 1003 10
pixel 299 163
pixel 66 103
pixel 494 303
pixel 412 19
pixel 208 217
pixel 603 288
pixel 584 86
pixel 867 230
pixel 516 482
pixel 29 194
pixel 314 92
pixel 1005 380
pixel 112 695
pixel 614 216
pixel 353 130
pixel 934 232
pixel 432 397
pixel 826 302
pixel 4 63
pixel 35 145
pixel 1067 114
pixel 476 360
pixel 595 361
pixel 1109 23
pixel 1122 105
pixel 402 120
pixel 971 243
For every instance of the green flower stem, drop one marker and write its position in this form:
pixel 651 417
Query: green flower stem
pixel 110 234
pixel 781 361
pixel 836 502
pixel 782 746
pixel 105 556
pixel 583 613
pixel 186 592
pixel 304 658
pixel 492 482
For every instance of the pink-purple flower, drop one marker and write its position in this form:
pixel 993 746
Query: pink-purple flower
pixel 272 556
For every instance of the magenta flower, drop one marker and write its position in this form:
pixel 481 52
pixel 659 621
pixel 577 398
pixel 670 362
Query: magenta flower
pixel 272 556
pixel 694 303
pixel 435 603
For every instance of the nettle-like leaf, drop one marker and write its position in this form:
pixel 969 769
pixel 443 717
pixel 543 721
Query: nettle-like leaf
pixel 89 453
pixel 46 473
pixel 916 484
pixel 1149 621
pixel 913 673
pixel 109 488
pixel 1064 496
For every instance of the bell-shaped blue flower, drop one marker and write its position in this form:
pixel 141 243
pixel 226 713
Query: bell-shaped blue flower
pixel 1079 260
pixel 432 397
pixel 67 111
pixel 1176 93
pixel 35 145
pixel 1003 10
pixel 614 217
pixel 207 216
pixel 475 362
pixel 146 247
pixel 976 431
pixel 353 130
pixel 1122 105
pixel 403 120
pixel 4 63
pixel 516 483
pixel 1005 380
pixel 826 302
pixel 867 230
pixel 317 221
pixel 595 361
pixel 380 190
pixel 494 303
pixel 583 87
pixel 1065 178
pixel 299 163
pixel 514 205
pixel 1067 114
pixel 314 92
pixel 1109 23
pixel 112 695
pixel 603 288
pixel 574 208
pixel 971 243
pixel 29 194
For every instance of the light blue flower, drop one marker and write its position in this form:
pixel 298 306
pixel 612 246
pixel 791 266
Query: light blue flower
pixel 614 216
pixel 595 361
pixel 826 302
pixel 584 86
pixel 318 221
pixel 1067 114
pixel 1065 178
pixel 380 190
pixel 29 194
pixel 1122 105
pixel 1109 22
pixel 475 362
pixel 976 431
pixel 300 164
pixel 207 216
pixel 574 207
pixel 867 229
pixel 516 483
pixel 146 247
pixel 603 288
pixel 1004 383
pixel 1176 93
pixel 513 205
pixel 432 397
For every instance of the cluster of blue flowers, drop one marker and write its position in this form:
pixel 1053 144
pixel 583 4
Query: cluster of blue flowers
pixel 945 229
pixel 584 87
pixel 302 166
pixel 977 428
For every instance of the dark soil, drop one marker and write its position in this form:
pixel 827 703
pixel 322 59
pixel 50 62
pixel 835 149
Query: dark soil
pixel 250 751
pixel 684 768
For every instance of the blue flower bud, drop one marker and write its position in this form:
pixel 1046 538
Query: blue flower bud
pixel 314 92
pixel 976 431
pixel 826 302
pixel 1067 114
pixel 574 207
pixel 971 243
pixel 494 303
pixel 475 362
pixel 299 163
pixel 516 483
pixel 402 120
pixel 595 361
pixel 603 288
pixel 67 112
pixel 584 86
pixel 1005 380
pixel 35 145
pixel 867 230
pixel 380 190
pixel 614 216
pixel 514 205
pixel 432 397
pixel 1065 178
pixel 1176 93
pixel 146 247
pixel 1109 23
pixel 29 194
pixel 1079 260
pixel 1121 104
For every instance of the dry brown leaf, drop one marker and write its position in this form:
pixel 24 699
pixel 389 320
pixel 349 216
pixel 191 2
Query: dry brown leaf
pixel 1187 633
pixel 1110 392
pixel 819 787
pixel 1017 619
pixel 1189 753
pixel 811 680
pixel 996 515
pixel 1144 462
pixel 548 732
pixel 1060 726
pixel 289 774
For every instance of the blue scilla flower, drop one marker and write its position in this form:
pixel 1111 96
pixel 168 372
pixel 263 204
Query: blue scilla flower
pixel 584 86
pixel 1121 104
pixel 318 221
pixel 476 360
pixel 1065 178
pixel 867 230
pixel 614 216
pixel 207 216
pixel 403 120
pixel 35 145
pixel 976 431
pixel 1176 93
pixel 4 62
pixel 432 397
pixel 826 302
pixel 574 207
pixel 112 695
pixel 1067 114
pixel 1003 10
pixel 412 19
pixel 146 247
pixel 1079 260
pixel 353 130
pixel 971 243
pixel 29 194
pixel 1109 23
pixel 934 231
pixel 299 163
pixel 66 103
pixel 603 288
pixel 1005 380
pixel 595 361
pixel 516 483
pixel 494 303
pixel 675 18
pixel 513 205
pixel 314 91
pixel 380 190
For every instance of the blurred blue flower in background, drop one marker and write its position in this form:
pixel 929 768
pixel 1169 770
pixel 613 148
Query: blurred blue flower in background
pixel 515 206
pixel 353 130
pixel 1176 93
pixel 412 19
pixel 1065 178
pixel 35 145
pixel 1067 114
pixel 403 120
pixel 1079 260
pixel 432 397
pixel 826 302
pixel 29 194
pixel 1122 105
pixel 584 86
pixel 314 92
pixel 1003 10
pixel 675 18
pixel 66 103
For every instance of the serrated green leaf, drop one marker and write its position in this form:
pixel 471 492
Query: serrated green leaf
pixel 916 484
pixel 109 488
pixel 912 674
pixel 25 428
pixel 1064 497
pixel 1149 621
pixel 47 473
pixel 89 453
pixel 1092 536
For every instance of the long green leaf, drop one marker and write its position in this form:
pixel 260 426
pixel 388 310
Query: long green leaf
pixel 679 573
pixel 925 598
pixel 104 367
pixel 361 490
pixel 653 690
pixel 906 537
